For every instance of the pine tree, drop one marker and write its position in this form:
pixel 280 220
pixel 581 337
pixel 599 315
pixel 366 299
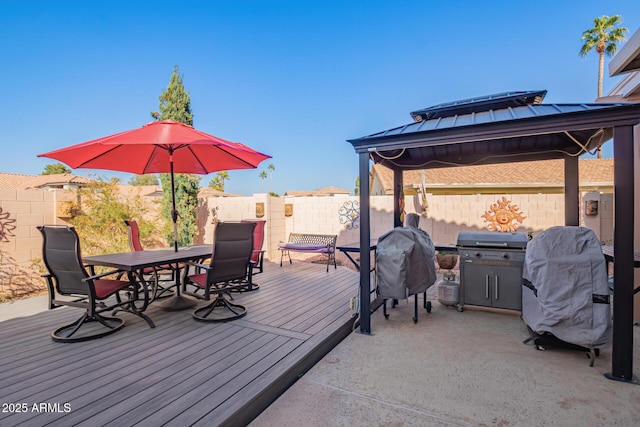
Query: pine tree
pixel 175 104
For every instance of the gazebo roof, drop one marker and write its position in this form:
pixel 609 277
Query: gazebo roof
pixel 471 105
pixel 485 131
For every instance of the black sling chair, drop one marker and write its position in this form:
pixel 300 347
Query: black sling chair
pixel 230 269
pixel 70 284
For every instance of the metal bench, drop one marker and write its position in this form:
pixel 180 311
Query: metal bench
pixel 310 243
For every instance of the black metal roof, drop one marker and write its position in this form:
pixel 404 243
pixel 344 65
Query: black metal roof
pixel 486 135
pixel 482 103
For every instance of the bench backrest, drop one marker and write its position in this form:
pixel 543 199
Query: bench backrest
pixel 314 239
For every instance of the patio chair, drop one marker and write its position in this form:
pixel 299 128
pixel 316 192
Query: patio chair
pixel 229 270
pixel 155 272
pixel 70 284
pixel 257 256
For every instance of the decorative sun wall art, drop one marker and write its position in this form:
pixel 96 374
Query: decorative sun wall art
pixel 503 216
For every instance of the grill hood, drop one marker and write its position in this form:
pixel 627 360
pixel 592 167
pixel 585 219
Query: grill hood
pixel 492 240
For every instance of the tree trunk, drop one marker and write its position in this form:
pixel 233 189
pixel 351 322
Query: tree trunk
pixel 600 78
pixel 600 74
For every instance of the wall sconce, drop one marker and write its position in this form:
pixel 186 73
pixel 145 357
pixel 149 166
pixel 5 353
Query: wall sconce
pixel 259 210
pixel 591 207
pixel 288 209
pixel 65 209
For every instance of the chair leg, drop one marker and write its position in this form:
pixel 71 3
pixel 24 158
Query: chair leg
pixel 203 313
pixel 248 285
pixel 113 324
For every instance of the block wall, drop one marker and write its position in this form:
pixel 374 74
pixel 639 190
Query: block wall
pixel 446 216
pixel 20 241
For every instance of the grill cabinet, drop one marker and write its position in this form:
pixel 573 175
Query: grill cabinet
pixel 491 269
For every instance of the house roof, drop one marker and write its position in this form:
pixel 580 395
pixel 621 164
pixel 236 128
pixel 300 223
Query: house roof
pixel 627 60
pixel 628 57
pixel 140 190
pixel 13 181
pixel 212 192
pixel 327 191
pixel 542 173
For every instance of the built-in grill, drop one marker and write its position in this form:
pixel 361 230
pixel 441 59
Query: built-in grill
pixel 491 269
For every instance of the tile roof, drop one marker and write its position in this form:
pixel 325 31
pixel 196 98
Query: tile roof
pixel 327 191
pixel 13 181
pixel 212 192
pixel 542 173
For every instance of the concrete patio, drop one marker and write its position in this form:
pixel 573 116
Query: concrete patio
pixel 451 369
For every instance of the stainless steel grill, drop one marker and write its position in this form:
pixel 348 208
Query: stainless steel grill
pixel 491 269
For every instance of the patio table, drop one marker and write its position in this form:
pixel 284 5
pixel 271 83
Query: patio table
pixel 351 248
pixel 135 262
pixel 607 251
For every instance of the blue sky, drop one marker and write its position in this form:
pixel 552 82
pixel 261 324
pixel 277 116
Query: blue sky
pixel 292 79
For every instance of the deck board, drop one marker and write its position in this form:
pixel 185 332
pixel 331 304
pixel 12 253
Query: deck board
pixel 181 372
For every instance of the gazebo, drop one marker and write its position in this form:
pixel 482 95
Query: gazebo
pixel 514 127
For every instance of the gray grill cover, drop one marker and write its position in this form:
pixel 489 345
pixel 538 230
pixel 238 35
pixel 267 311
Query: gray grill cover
pixel 566 266
pixel 405 262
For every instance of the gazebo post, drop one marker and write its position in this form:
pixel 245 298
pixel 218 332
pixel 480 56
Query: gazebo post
pixel 365 238
pixel 622 348
pixel 397 195
pixel 571 191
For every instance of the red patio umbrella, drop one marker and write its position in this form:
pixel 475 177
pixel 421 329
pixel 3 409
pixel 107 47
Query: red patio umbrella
pixel 160 147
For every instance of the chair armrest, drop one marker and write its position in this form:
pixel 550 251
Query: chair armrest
pixel 52 295
pixel 198 265
pixel 97 276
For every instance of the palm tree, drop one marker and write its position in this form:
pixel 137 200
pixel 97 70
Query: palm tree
pixel 271 168
pixel 604 38
pixel 263 176
pixel 224 175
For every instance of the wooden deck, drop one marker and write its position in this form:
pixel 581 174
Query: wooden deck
pixel 183 372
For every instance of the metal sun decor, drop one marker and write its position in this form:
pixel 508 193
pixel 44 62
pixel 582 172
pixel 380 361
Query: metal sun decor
pixel 349 214
pixel 503 216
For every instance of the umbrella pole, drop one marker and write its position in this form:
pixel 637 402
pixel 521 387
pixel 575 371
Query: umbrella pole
pixel 178 301
pixel 174 211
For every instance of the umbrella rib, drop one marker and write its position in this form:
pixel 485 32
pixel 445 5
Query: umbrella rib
pixel 196 157
pixel 97 156
pixel 242 160
pixel 151 156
